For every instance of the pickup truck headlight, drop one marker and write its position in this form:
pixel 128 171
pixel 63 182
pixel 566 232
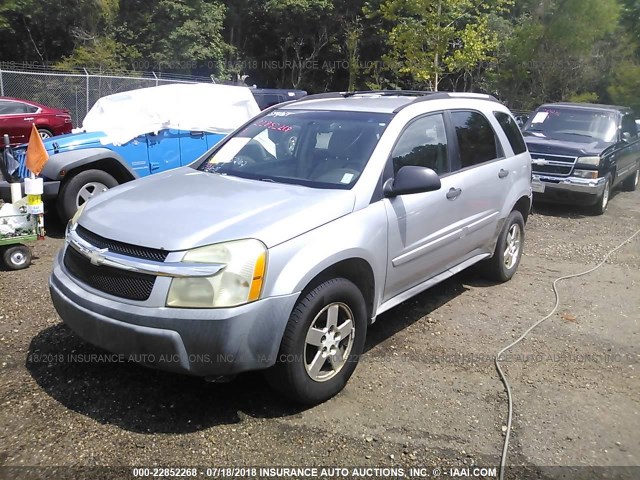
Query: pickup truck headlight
pixel 593 161
pixel 589 174
pixel 237 283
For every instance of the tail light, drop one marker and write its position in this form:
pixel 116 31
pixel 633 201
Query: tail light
pixel 67 118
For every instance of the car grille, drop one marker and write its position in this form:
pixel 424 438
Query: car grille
pixel 114 281
pixel 122 248
pixel 554 164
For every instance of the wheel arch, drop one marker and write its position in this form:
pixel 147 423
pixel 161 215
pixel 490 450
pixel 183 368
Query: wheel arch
pixel 109 165
pixel 357 270
pixel 62 166
pixel 523 205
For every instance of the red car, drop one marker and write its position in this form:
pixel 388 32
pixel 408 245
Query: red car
pixel 16 117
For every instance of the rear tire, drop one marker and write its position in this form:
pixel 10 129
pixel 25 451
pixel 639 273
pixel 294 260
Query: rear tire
pixel 80 188
pixel 16 257
pixel 631 183
pixel 44 133
pixel 506 257
pixel 322 343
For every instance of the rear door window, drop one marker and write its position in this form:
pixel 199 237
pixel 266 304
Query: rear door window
pixel 476 138
pixel 511 130
pixel 12 108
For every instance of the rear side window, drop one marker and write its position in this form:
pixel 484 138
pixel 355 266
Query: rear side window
pixel 12 108
pixel 476 138
pixel 424 144
pixel 511 130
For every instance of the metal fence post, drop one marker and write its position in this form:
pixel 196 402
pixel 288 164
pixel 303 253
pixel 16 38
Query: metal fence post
pixel 87 75
pixel 156 77
pixel 1 84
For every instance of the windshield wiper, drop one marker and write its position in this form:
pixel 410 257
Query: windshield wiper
pixel 576 134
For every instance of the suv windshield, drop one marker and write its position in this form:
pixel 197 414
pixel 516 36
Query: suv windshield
pixel 321 149
pixel 562 123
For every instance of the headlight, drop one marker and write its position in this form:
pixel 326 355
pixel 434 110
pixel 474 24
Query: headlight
pixel 239 282
pixel 595 161
pixel 589 174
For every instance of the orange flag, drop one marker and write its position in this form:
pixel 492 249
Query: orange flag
pixel 37 155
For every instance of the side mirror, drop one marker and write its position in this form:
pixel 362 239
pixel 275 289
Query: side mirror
pixel 412 179
pixel 626 137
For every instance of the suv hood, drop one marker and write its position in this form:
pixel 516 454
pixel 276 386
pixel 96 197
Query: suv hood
pixel 587 147
pixel 73 141
pixel 185 208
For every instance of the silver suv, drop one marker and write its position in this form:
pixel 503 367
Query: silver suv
pixel 279 247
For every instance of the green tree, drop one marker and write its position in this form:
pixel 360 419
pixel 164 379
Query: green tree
pixel 431 39
pixel 555 50
pixel 32 30
pixel 174 35
pixel 625 85
pixel 630 20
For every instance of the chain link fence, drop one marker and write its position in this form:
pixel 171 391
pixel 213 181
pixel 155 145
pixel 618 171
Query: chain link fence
pixel 74 91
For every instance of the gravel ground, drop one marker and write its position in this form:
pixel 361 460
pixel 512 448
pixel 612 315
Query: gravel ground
pixel 425 394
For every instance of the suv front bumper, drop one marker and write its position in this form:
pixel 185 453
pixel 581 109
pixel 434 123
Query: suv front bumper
pixel 204 342
pixel 576 190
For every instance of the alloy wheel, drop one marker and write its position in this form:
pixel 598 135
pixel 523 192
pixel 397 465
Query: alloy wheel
pixel 329 342
pixel 512 248
pixel 90 190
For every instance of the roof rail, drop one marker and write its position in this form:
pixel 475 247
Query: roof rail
pixel 445 95
pixel 318 96
pixel 390 93
pixel 384 93
pixel 421 94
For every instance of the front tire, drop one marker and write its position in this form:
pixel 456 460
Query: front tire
pixel 80 188
pixel 631 183
pixel 603 200
pixel 322 343
pixel 502 266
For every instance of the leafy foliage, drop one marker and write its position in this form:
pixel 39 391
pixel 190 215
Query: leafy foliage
pixel 429 39
pixel 524 51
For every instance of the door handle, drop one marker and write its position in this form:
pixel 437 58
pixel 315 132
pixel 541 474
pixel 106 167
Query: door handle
pixel 453 193
pixel 28 119
pixel 503 173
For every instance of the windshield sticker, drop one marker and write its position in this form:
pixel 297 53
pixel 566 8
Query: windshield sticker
pixel 278 127
pixel 347 177
pixel 279 113
pixel 540 117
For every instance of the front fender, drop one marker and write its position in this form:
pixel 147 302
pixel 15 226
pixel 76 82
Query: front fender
pixel 66 161
pixel 292 265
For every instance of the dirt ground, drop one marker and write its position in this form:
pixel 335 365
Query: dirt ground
pixel 426 392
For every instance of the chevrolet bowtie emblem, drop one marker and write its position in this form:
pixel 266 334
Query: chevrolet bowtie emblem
pixel 96 257
pixel 539 161
pixel 93 254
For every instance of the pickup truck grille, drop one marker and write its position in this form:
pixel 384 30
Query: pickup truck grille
pixel 114 281
pixel 559 165
pixel 122 248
